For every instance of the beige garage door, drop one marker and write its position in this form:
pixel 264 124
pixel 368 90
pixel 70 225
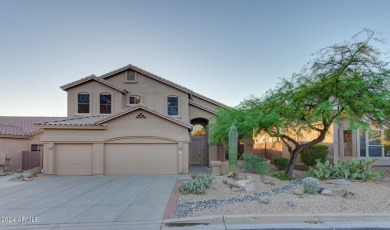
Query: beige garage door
pixel 73 159
pixel 140 159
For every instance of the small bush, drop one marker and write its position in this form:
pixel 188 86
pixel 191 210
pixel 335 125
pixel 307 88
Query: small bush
pixel 254 163
pixel 281 163
pixel 197 185
pixel 283 176
pixel 355 169
pixel 35 171
pixel 310 155
pixel 311 185
pixel 205 179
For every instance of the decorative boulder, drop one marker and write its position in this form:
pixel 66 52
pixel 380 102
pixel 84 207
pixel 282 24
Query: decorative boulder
pixel 247 185
pixel 327 192
pixel 16 177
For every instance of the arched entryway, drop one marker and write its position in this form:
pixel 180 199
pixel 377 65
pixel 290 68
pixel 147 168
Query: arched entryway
pixel 199 151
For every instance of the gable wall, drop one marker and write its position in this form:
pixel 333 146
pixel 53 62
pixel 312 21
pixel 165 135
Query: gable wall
pixel 94 89
pixel 153 93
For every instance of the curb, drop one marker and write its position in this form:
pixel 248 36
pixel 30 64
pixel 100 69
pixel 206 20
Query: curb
pixel 277 218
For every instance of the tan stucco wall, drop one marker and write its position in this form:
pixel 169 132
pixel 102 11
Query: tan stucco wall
pixel 196 112
pixel 153 93
pixel 94 89
pixel 13 147
pixel 125 129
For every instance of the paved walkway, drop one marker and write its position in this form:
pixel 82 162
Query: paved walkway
pixel 95 202
pixel 200 169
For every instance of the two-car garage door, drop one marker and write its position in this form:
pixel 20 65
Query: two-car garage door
pixel 140 159
pixel 119 159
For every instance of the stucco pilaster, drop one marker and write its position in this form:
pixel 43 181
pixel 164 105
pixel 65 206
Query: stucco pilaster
pixel 180 156
pixel 48 158
pixel 213 153
pixel 98 159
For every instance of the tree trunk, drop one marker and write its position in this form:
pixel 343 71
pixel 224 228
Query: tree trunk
pixel 291 163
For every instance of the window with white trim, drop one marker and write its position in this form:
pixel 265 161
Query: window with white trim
pixel 173 105
pixel 105 103
pixel 83 102
pixel 134 100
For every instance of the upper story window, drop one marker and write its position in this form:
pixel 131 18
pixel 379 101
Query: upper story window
pixel 130 76
pixel 134 100
pixel 83 103
pixel 173 105
pixel 105 103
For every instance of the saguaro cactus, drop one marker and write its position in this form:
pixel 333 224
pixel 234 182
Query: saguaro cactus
pixel 233 137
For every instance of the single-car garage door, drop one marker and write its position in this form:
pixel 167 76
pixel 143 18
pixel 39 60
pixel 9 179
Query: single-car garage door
pixel 140 159
pixel 73 159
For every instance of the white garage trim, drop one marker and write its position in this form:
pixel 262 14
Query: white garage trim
pixel 120 159
pixel 73 159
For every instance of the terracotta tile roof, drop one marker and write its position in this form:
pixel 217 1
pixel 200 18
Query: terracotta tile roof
pixel 21 126
pixel 202 107
pixel 74 121
pixel 100 120
pixel 163 80
pixel 94 78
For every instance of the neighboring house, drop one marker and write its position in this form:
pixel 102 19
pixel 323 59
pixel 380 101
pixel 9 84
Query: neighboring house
pixel 129 121
pixel 18 134
pixel 343 144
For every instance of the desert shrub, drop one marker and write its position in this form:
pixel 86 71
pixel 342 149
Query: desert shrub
pixel 197 185
pixel 281 163
pixel 355 169
pixel 310 155
pixel 205 179
pixel 282 176
pixel 35 171
pixel 254 163
pixel 311 185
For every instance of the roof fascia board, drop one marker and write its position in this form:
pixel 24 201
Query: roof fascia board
pixel 72 127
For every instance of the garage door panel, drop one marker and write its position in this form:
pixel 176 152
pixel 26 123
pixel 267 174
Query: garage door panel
pixel 74 159
pixel 140 159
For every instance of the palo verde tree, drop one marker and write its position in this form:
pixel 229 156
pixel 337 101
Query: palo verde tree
pixel 348 80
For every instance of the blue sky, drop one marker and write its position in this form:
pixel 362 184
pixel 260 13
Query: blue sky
pixel 226 50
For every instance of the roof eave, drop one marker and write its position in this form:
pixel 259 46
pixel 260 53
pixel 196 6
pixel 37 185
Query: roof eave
pixel 85 127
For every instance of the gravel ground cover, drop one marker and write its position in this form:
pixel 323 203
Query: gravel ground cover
pixel 365 197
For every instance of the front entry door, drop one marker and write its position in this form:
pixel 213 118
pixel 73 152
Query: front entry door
pixel 199 151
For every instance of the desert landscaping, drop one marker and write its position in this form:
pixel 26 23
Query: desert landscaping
pixel 273 196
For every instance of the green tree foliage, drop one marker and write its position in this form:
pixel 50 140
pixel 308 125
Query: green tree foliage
pixel 348 80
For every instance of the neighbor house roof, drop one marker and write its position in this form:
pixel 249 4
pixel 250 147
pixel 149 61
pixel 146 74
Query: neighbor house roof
pixel 99 121
pixel 21 126
pixel 163 80
pixel 94 78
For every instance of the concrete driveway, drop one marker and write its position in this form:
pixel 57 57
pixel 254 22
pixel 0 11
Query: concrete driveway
pixel 88 202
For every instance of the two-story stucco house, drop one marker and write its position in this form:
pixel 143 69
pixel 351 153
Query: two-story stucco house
pixel 129 121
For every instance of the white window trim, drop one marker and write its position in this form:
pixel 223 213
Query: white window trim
pixel 131 81
pixel 133 95
pixel 77 104
pixel 112 104
pixel 178 105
